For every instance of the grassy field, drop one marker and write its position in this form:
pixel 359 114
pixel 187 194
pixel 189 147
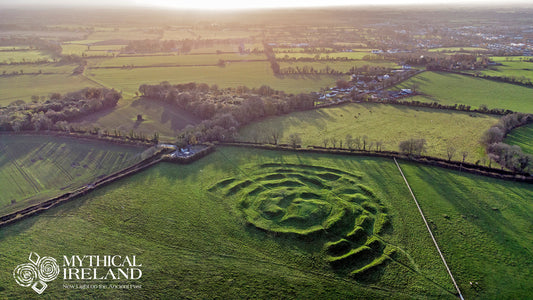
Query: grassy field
pixel 23 87
pixel 523 137
pixel 457 49
pixel 22 56
pixel 511 68
pixel 483 227
pixel 158 117
pixel 186 60
pixel 340 65
pixel 56 68
pixel 448 88
pixel 349 55
pixel 388 123
pixel 250 74
pixel 33 168
pixel 187 226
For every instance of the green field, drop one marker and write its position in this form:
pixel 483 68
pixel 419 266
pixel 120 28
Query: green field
pixel 33 168
pixel 458 49
pixel 349 55
pixel 23 87
pixel 449 89
pixel 523 137
pixel 511 68
pixel 22 56
pixel 250 74
pixel 247 222
pixel 342 66
pixel 56 68
pixel 187 226
pixel 483 227
pixel 186 60
pixel 165 119
pixel 388 123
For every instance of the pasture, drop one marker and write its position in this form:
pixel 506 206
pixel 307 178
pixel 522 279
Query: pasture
pixel 348 55
pixel 33 168
pixel 513 68
pixel 378 122
pixel 523 137
pixel 189 227
pixel 449 89
pixel 342 66
pixel 250 74
pixel 158 117
pixel 483 227
pixel 24 86
pixel 8 57
pixel 174 59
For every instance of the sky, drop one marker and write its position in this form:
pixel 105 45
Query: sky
pixel 251 4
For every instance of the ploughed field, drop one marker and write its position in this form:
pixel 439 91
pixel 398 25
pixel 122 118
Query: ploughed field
pixel 276 224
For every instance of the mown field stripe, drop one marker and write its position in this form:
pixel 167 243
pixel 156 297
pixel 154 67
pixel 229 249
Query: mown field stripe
pixel 430 232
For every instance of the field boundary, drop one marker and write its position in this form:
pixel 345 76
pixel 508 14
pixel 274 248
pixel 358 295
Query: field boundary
pixel 430 232
pixel 426 160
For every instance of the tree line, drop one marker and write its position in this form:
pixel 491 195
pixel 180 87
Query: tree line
pixel 57 110
pixel 223 111
pixel 510 157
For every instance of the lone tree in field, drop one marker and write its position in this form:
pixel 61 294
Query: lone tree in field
pixel 275 135
pixel 413 146
pixel 465 154
pixel 450 151
pixel 325 141
pixel 295 140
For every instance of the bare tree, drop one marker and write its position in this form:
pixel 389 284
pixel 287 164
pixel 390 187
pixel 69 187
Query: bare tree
pixel 275 135
pixel 333 142
pixel 325 142
pixel 295 140
pixel 465 154
pixel 450 151
pixel 349 141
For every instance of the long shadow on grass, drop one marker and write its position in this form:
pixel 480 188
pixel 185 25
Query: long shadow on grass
pixel 476 211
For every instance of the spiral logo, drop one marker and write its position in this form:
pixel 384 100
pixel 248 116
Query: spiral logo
pixel 48 269
pixel 322 205
pixel 37 272
pixel 25 274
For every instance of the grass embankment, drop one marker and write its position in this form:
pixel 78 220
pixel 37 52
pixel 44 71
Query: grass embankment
pixel 523 137
pixel 449 89
pixel 33 168
pixel 188 227
pixel 483 227
pixel 388 123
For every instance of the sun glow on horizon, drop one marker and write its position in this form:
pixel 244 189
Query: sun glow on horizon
pixel 273 4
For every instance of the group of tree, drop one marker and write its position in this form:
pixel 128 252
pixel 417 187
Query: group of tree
pixel 223 111
pixel 413 146
pixel 57 110
pixel 510 157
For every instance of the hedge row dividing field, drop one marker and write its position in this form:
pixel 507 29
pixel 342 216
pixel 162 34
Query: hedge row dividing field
pixel 33 168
